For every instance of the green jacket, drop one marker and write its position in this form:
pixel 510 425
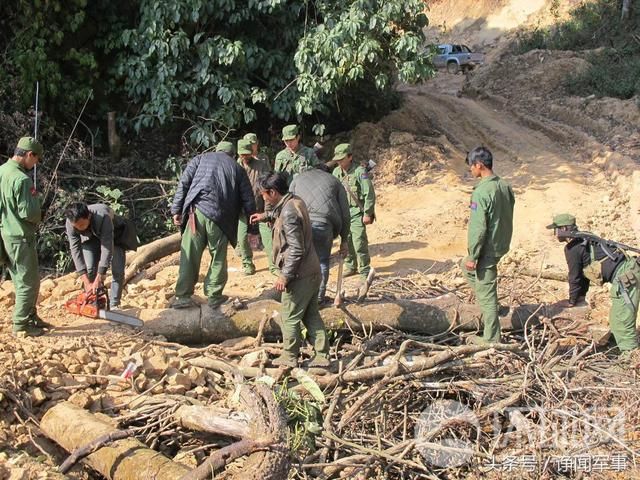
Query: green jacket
pixel 291 164
pixel 20 204
pixel 359 187
pixel 491 219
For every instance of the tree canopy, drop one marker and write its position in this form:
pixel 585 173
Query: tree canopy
pixel 218 64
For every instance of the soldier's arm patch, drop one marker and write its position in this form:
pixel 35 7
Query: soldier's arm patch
pixel 364 176
pixel 473 206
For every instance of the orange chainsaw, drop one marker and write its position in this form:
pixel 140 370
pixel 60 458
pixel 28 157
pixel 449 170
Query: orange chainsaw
pixel 96 305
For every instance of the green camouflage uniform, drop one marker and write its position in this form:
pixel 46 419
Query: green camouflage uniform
pixel 587 262
pixel 254 168
pixel 489 237
pixel 623 312
pixel 362 199
pixel 20 214
pixel 291 163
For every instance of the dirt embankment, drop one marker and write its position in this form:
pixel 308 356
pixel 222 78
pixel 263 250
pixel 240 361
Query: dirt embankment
pixel 487 23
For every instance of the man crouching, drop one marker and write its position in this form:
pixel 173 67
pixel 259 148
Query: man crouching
pixel 299 270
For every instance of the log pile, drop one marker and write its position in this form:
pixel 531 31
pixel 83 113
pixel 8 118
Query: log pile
pixel 393 405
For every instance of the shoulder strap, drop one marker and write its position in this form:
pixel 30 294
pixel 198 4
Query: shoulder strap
pixel 352 194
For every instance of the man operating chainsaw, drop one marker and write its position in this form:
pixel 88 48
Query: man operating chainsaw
pixel 98 239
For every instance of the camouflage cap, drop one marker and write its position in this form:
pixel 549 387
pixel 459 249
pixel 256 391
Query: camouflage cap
pixel 30 144
pixel 226 147
pixel 342 151
pixel 252 137
pixel 562 220
pixel 290 132
pixel 244 147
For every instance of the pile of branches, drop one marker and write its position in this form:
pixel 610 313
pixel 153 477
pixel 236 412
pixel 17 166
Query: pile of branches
pixel 545 403
pixel 402 407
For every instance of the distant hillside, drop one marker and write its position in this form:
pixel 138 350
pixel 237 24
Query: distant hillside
pixel 477 22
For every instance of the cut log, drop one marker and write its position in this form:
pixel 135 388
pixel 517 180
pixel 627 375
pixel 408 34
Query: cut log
pixel 547 275
pixel 128 459
pixel 430 316
pixel 150 253
pixel 256 418
pixel 214 420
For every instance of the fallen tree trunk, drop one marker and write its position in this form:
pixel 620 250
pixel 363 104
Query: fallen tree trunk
pixel 128 459
pixel 150 253
pixel 430 316
pixel 151 272
pixel 256 418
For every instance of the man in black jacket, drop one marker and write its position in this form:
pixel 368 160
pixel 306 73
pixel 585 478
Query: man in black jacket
pixel 328 206
pixel 596 261
pixel 98 239
pixel 212 191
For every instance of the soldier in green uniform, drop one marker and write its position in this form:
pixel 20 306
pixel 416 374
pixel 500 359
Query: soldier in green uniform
pixel 362 198
pixel 255 169
pixel 20 214
pixel 593 259
pixel 299 271
pixel 296 157
pixel 255 150
pixel 489 238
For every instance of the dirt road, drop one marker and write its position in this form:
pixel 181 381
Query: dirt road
pixel 429 221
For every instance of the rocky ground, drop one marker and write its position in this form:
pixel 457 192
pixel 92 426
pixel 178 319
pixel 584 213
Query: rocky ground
pixel 560 153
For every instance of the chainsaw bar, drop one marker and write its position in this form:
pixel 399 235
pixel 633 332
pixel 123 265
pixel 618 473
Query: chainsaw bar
pixel 120 318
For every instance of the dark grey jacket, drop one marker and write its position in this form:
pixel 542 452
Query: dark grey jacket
pixel 101 226
pixel 325 198
pixel 219 187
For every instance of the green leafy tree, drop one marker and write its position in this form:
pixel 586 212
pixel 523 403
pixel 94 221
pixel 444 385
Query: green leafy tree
pixel 220 63
pixel 63 45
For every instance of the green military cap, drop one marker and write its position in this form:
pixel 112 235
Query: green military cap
pixel 30 144
pixel 290 132
pixel 226 147
pixel 252 137
pixel 342 151
pixel 562 220
pixel 244 147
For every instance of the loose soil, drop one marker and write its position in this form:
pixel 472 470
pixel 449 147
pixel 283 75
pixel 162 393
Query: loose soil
pixel 560 154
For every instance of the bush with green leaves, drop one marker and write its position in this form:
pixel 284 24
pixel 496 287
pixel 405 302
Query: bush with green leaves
pixel 215 64
pixel 62 44
pixel 220 63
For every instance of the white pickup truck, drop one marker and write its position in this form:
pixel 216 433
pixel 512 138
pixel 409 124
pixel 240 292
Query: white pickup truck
pixel 456 58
